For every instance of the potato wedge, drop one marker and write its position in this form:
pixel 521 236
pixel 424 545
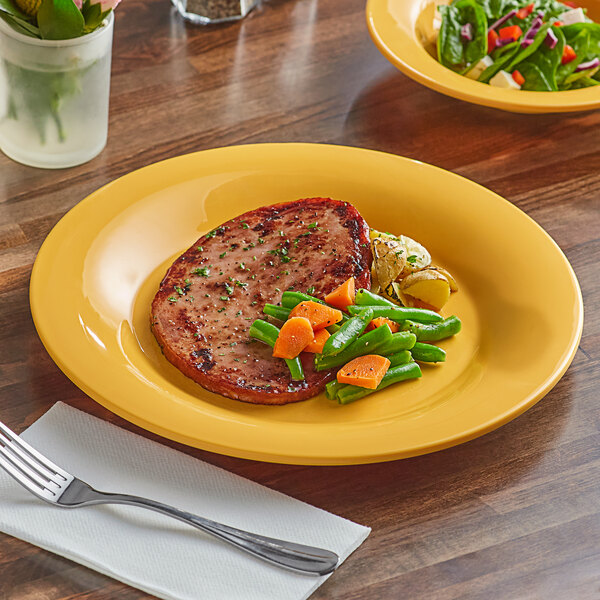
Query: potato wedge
pixel 390 260
pixel 415 255
pixel 446 274
pixel 425 289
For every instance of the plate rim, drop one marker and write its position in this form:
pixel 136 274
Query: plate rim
pixel 489 425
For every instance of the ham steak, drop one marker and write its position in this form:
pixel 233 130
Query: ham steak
pixel 214 291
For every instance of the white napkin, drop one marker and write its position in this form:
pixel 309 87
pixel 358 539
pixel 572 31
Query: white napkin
pixel 154 553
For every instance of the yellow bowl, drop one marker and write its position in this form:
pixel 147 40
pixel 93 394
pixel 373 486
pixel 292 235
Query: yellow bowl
pixel 396 27
pixel 99 268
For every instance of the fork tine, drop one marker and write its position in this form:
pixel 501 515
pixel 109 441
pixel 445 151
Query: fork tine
pixel 41 469
pixel 41 492
pixel 24 468
pixel 46 462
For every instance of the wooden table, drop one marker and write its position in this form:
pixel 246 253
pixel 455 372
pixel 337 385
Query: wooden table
pixel 512 515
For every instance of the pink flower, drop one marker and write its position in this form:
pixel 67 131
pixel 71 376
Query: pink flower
pixel 105 4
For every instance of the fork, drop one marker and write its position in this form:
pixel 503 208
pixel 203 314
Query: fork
pixel 54 485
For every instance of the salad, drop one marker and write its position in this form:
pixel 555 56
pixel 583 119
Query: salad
pixel 545 45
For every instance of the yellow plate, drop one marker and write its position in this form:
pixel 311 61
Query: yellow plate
pixel 397 27
pixel 99 268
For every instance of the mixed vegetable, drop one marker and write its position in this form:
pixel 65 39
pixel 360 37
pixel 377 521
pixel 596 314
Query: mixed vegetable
pixel 370 340
pixel 544 45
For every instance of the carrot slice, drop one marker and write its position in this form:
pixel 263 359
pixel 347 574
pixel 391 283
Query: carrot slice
pixel 343 295
pixel 318 342
pixel 319 315
pixel 365 371
pixel 293 337
pixel 380 321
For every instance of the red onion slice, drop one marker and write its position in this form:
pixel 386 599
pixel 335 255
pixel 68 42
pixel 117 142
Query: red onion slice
pixel 503 19
pixel 590 64
pixel 532 31
pixel 466 32
pixel 551 40
pixel 503 42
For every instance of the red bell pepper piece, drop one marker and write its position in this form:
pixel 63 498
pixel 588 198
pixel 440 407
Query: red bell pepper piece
pixel 557 24
pixel 568 55
pixel 516 75
pixel 492 40
pixel 514 32
pixel 570 4
pixel 523 13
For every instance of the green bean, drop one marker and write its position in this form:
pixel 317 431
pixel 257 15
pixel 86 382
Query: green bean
pixel 433 332
pixel 332 388
pixel 403 340
pixel 369 343
pixel 267 333
pixel 367 298
pixel 292 299
pixel 427 353
pixel 399 358
pixel 333 328
pixel 350 393
pixel 400 313
pixel 278 312
pixel 347 333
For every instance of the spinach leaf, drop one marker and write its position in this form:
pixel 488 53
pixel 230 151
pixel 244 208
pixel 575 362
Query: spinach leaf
pixel 571 79
pixel 472 13
pixel 453 51
pixel 578 37
pixel 583 83
pixel 550 8
pixel 535 78
pixel 501 57
pixel 548 59
pixel 494 9
pixel 450 46
pixel 526 52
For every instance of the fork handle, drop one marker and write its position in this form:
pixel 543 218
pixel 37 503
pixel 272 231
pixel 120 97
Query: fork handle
pixel 298 557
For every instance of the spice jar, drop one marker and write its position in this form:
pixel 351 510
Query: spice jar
pixel 205 12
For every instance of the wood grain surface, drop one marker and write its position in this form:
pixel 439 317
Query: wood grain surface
pixel 512 515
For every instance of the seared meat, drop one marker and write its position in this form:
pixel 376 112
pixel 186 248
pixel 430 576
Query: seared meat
pixel 215 290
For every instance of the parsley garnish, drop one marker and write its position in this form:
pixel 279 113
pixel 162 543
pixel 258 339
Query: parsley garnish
pixel 412 259
pixel 311 290
pixel 203 272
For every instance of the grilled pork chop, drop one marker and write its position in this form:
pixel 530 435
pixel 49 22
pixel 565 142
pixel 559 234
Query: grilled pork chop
pixel 215 290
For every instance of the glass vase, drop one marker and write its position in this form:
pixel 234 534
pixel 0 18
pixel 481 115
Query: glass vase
pixel 54 96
